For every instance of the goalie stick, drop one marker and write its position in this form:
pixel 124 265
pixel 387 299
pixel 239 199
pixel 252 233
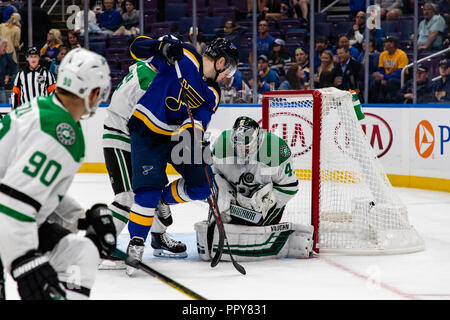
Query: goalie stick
pixel 135 263
pixel 211 199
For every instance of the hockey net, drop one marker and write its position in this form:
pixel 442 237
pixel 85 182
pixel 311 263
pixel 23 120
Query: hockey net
pixel 344 191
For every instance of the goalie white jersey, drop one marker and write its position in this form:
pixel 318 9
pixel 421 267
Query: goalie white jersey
pixel 41 147
pixel 123 101
pixel 271 164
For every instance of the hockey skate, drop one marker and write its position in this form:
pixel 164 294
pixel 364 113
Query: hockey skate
pixel 164 214
pixel 135 250
pixel 164 246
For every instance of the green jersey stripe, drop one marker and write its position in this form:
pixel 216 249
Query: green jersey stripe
pixel 16 214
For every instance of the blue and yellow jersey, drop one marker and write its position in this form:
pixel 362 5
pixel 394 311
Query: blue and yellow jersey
pixel 162 109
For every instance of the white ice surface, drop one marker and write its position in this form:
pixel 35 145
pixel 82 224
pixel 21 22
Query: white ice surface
pixel 422 275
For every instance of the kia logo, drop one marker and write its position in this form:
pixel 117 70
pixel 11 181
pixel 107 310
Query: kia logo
pixel 378 133
pixel 424 139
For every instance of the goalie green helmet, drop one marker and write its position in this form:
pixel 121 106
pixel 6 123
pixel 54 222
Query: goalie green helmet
pixel 246 136
pixel 80 72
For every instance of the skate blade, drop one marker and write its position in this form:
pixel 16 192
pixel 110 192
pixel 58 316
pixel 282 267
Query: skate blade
pixel 112 265
pixel 167 254
pixel 129 271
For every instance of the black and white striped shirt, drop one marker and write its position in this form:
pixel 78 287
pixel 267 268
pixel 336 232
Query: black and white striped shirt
pixel 32 83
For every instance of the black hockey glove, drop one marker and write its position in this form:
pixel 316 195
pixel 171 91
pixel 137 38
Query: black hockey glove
pixel 36 278
pixel 171 49
pixel 101 229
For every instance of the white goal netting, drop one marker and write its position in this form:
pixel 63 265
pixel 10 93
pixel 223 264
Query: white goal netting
pixel 344 191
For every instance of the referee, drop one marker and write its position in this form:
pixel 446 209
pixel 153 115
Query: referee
pixel 34 81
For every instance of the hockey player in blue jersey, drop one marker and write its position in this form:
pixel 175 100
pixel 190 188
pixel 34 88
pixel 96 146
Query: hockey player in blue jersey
pixel 160 124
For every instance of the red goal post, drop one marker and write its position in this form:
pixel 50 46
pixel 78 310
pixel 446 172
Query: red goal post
pixel 344 191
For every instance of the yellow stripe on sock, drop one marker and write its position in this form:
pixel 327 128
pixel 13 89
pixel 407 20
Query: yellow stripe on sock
pixel 142 220
pixel 174 190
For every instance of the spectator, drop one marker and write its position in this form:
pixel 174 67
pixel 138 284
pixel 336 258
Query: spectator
pixel 130 20
pixel 234 89
pixel 301 8
pixel 35 80
pixel 387 79
pixel 262 87
pixel 50 49
pixel 348 73
pixel 121 6
pixel 391 9
pixel 424 88
pixel 357 6
pixel 92 22
pixel 200 44
pixel 374 56
pixel 302 59
pixel 232 32
pixel 11 31
pixel 275 10
pixel 8 10
pixel 72 40
pixel 343 41
pixel 356 34
pixel 444 8
pixel 41 25
pixel 110 19
pixel 430 29
pixel 54 66
pixel 7 69
pixel 264 41
pixel 295 79
pixel 320 45
pixel 268 75
pixel 325 75
pixel 279 58
pixel 441 87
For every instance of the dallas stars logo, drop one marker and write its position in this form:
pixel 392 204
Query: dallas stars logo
pixel 65 134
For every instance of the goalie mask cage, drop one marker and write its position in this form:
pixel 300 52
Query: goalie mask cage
pixel 343 189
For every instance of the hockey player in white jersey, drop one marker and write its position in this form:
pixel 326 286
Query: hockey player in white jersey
pixel 42 147
pixel 255 179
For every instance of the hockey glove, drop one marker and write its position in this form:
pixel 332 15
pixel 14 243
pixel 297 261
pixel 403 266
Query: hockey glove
pixel 171 49
pixel 101 229
pixel 36 278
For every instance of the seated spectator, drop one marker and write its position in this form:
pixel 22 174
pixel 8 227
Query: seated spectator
pixel 295 79
pixel 264 41
pixel 200 44
pixel 279 58
pixel 320 45
pixel 11 31
pixel 232 32
pixel 110 19
pixel 50 49
pixel 276 9
pixel 348 73
pixel 7 69
pixel 8 10
pixel 79 22
pixel 356 34
pixel 391 9
pixel 441 87
pixel 444 8
pixel 424 88
pixel 130 20
pixel 72 40
pixel 431 29
pixel 54 66
pixel 343 41
pixel 234 89
pixel 301 8
pixel 267 75
pixel 387 79
pixel 324 76
pixel 302 59
pixel 374 56
pixel 262 87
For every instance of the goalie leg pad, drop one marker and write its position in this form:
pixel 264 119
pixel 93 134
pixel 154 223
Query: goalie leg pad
pixel 252 243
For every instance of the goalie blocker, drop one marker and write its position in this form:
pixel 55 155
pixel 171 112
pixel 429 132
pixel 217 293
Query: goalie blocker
pixel 251 243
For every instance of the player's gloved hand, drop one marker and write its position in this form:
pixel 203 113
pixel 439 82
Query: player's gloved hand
pixel 36 278
pixel 264 199
pixel 171 49
pixel 101 229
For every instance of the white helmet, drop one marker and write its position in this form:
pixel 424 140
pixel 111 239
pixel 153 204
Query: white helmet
pixel 80 72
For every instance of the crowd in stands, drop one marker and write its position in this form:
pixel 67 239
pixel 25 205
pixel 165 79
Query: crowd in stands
pixel 283 57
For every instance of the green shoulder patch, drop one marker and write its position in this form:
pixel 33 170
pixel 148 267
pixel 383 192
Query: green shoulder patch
pixel 273 150
pixel 145 74
pixel 59 124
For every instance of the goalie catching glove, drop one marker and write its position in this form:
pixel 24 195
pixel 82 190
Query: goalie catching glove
pixel 100 229
pixel 36 278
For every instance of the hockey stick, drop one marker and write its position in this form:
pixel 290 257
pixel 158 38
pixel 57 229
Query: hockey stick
pixel 2 282
pixel 135 263
pixel 211 199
